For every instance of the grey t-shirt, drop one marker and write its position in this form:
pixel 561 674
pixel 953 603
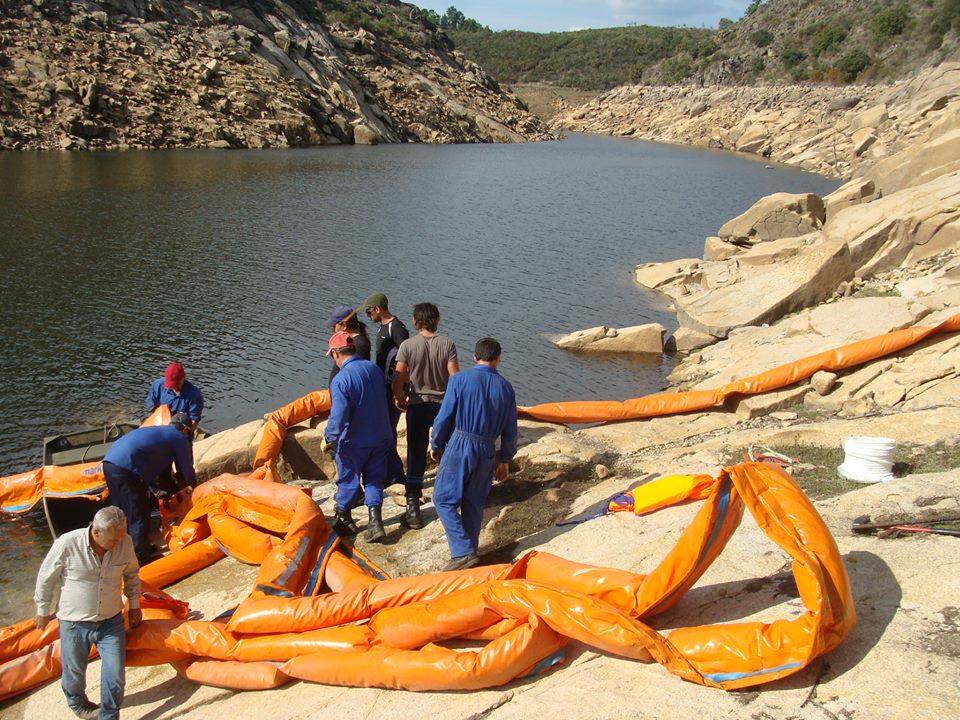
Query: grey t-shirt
pixel 426 359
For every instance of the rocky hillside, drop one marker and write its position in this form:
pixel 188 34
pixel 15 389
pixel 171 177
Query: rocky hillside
pixel 836 41
pixel 79 74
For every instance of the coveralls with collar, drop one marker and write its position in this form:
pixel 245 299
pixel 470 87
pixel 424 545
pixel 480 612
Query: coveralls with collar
pixel 360 428
pixel 478 407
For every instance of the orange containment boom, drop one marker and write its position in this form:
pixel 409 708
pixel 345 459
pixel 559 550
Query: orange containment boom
pixel 275 429
pixel 316 614
pixel 672 403
pixel 20 493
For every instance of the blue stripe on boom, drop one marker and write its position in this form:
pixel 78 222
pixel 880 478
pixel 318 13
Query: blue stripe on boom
pixel 726 677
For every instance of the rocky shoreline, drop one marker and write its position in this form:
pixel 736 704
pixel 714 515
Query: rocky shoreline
pixel 835 131
pixel 115 74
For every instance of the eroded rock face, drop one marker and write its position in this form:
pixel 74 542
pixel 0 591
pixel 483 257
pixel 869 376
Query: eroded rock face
pixel 910 224
pixel 755 298
pixel 781 215
pixel 635 339
pixel 79 74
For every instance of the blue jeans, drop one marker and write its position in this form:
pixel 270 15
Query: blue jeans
pixel 75 641
pixel 461 489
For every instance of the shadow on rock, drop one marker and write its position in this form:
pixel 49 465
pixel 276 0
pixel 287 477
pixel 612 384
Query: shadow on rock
pixel 173 694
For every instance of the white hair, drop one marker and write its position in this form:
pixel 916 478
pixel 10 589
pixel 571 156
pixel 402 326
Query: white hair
pixel 109 520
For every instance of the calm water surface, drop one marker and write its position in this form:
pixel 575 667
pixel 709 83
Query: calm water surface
pixel 116 263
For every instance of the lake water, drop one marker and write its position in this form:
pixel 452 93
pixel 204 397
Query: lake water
pixel 113 264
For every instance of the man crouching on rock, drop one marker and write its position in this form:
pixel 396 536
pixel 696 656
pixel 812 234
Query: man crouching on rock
pixel 359 434
pixel 93 568
pixel 478 407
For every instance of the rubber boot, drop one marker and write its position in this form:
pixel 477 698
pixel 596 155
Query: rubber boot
pixel 375 532
pixel 344 524
pixel 411 516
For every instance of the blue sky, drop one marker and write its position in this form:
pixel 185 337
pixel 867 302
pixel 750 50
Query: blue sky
pixel 547 15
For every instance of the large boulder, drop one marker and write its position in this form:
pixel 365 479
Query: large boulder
pixel 655 276
pixel 776 216
pixel 871 118
pixel 908 225
pixel 763 297
pixel 637 339
pixel 854 192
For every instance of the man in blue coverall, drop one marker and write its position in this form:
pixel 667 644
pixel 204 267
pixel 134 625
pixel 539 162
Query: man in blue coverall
pixel 359 433
pixel 478 407
pixel 134 462
pixel 177 393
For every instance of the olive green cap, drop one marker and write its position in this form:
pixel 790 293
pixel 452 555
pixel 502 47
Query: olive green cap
pixel 375 300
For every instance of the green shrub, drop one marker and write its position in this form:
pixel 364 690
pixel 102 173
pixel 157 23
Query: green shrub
pixel 792 56
pixel 753 7
pixel 725 23
pixel 757 65
pixel 852 64
pixel 675 69
pixel 889 23
pixel 762 37
pixel 829 37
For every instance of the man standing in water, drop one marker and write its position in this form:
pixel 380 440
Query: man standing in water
pixel 425 363
pixel 358 432
pixel 92 568
pixel 390 334
pixel 177 393
pixel 478 407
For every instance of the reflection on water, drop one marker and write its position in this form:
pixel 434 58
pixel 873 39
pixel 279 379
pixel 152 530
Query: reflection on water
pixel 116 263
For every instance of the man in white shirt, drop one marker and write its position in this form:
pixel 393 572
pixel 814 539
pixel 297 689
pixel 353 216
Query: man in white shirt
pixel 93 568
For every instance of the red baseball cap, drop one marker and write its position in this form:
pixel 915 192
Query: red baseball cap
pixel 173 375
pixel 339 341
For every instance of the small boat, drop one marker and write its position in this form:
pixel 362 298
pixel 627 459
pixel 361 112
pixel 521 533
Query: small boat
pixel 69 512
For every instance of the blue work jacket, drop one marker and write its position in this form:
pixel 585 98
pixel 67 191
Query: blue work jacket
pixel 188 400
pixel 358 410
pixel 479 401
pixel 148 451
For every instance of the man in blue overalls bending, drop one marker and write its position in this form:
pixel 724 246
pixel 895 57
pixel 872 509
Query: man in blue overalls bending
pixel 360 434
pixel 478 407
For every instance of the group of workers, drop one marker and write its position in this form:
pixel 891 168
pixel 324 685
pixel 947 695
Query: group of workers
pixel 456 417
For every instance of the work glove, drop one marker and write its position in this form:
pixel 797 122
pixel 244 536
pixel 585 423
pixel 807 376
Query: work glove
pixel 327 447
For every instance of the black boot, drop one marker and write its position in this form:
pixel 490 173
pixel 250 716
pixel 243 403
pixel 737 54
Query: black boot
pixel 411 517
pixel 375 532
pixel 344 524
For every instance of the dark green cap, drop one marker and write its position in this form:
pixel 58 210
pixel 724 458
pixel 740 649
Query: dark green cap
pixel 375 300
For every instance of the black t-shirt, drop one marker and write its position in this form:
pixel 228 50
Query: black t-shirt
pixel 362 344
pixel 389 337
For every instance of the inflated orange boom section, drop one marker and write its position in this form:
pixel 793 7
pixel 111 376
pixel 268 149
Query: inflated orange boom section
pixel 320 611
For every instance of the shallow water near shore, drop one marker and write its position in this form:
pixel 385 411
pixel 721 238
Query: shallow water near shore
pixel 116 263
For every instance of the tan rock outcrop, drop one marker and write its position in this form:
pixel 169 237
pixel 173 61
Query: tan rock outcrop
pixel 754 298
pixel 905 226
pixel 749 351
pixel 773 217
pixel 646 338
